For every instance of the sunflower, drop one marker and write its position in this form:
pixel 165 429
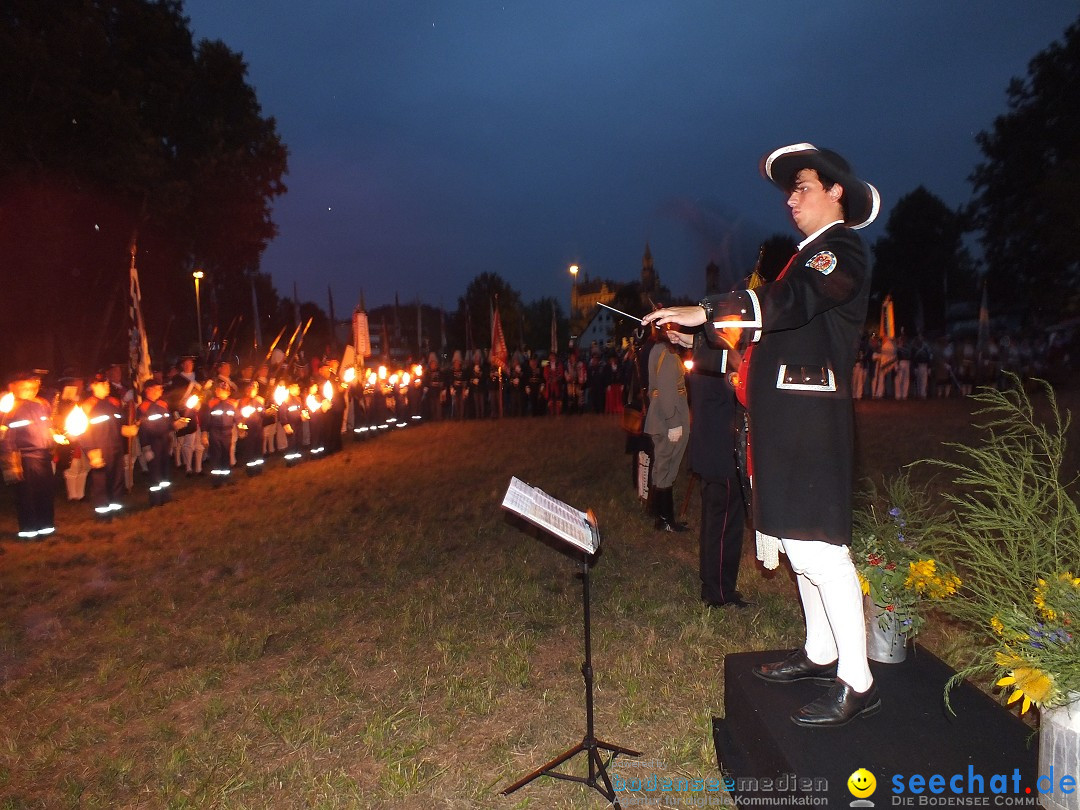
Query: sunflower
pixel 1029 683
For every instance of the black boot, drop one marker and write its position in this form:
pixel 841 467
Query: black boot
pixel 665 521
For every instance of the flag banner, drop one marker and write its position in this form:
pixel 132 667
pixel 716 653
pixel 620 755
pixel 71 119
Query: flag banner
pixel 361 335
pixel 138 350
pixel 499 354
pixel 888 321
pixel 255 311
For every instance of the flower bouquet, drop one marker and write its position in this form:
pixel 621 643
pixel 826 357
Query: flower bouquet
pixel 1014 536
pixel 899 577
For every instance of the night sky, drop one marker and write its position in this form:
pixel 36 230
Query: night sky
pixel 434 141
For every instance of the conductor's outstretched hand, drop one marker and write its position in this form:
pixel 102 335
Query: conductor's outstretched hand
pixel 684 316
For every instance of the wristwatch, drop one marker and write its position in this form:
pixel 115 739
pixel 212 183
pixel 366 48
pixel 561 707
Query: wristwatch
pixel 708 307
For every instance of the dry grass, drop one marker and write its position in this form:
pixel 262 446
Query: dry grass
pixel 370 631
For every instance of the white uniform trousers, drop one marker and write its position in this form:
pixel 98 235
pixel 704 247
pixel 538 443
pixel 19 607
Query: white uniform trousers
pixel 833 603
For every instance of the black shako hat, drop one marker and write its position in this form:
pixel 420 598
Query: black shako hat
pixel 781 165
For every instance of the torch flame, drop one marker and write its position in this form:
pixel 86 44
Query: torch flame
pixel 328 390
pixel 349 375
pixel 281 393
pixel 7 402
pixel 312 402
pixel 192 402
pixel 393 379
pixel 382 372
pixel 247 411
pixel 76 422
pixel 405 378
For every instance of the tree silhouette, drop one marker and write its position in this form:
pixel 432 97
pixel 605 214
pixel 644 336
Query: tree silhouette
pixel 922 262
pixel 117 128
pixel 1026 190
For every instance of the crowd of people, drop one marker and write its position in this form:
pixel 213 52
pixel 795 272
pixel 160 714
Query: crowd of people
pixel 214 419
pixel 916 368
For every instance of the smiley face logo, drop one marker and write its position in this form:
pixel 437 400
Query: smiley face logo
pixel 862 783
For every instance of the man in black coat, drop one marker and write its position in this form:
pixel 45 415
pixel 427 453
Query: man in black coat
pixel 712 459
pixel 795 381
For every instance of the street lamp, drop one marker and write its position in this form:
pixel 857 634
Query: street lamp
pixel 573 288
pixel 198 275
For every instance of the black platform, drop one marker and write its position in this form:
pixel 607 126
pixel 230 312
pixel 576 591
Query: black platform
pixel 766 754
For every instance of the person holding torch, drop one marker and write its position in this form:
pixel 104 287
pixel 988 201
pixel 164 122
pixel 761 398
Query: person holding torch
pixel 795 382
pixel 27 441
pixel 104 446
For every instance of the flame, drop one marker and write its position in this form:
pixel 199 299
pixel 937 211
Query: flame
pixel 393 379
pixel 349 375
pixel 418 370
pixel 7 402
pixel 192 402
pixel 328 390
pixel 312 402
pixel 281 393
pixel 382 372
pixel 405 378
pixel 247 411
pixel 688 364
pixel 76 422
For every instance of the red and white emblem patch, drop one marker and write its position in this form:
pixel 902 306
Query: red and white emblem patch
pixel 824 262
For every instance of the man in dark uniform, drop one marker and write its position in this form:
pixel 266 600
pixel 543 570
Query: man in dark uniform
pixel 104 445
pixel 434 389
pixel 27 441
pixel 155 438
pixel 712 458
pixel 291 418
pixel 534 388
pixel 804 331
pixel 219 417
pixel 249 442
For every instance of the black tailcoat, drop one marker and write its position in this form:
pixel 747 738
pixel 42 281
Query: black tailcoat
pixel 805 328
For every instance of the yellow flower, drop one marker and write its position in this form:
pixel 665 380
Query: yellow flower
pixel 1040 601
pixel 997 627
pixel 863 584
pixel 1031 684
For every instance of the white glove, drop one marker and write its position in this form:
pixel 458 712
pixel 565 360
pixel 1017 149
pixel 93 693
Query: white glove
pixel 674 434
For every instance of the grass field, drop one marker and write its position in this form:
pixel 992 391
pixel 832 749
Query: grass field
pixel 371 631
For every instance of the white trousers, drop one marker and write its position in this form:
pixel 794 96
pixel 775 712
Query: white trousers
pixel 833 604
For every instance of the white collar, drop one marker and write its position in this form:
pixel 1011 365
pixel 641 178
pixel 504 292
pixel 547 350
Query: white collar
pixel 818 233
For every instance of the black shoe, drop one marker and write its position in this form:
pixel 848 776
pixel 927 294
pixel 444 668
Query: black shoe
pixel 796 667
pixel 665 525
pixel 839 706
pixel 736 601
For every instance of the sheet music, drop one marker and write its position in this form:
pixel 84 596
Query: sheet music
pixel 551 515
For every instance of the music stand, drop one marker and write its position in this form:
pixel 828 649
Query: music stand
pixel 579 529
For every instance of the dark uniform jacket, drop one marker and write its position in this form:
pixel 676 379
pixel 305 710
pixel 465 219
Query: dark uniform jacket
pixel 103 432
pixel 29 429
pixel 804 328
pixel 712 408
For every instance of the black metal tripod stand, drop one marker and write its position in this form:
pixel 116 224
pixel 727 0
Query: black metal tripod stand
pixel 589 744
